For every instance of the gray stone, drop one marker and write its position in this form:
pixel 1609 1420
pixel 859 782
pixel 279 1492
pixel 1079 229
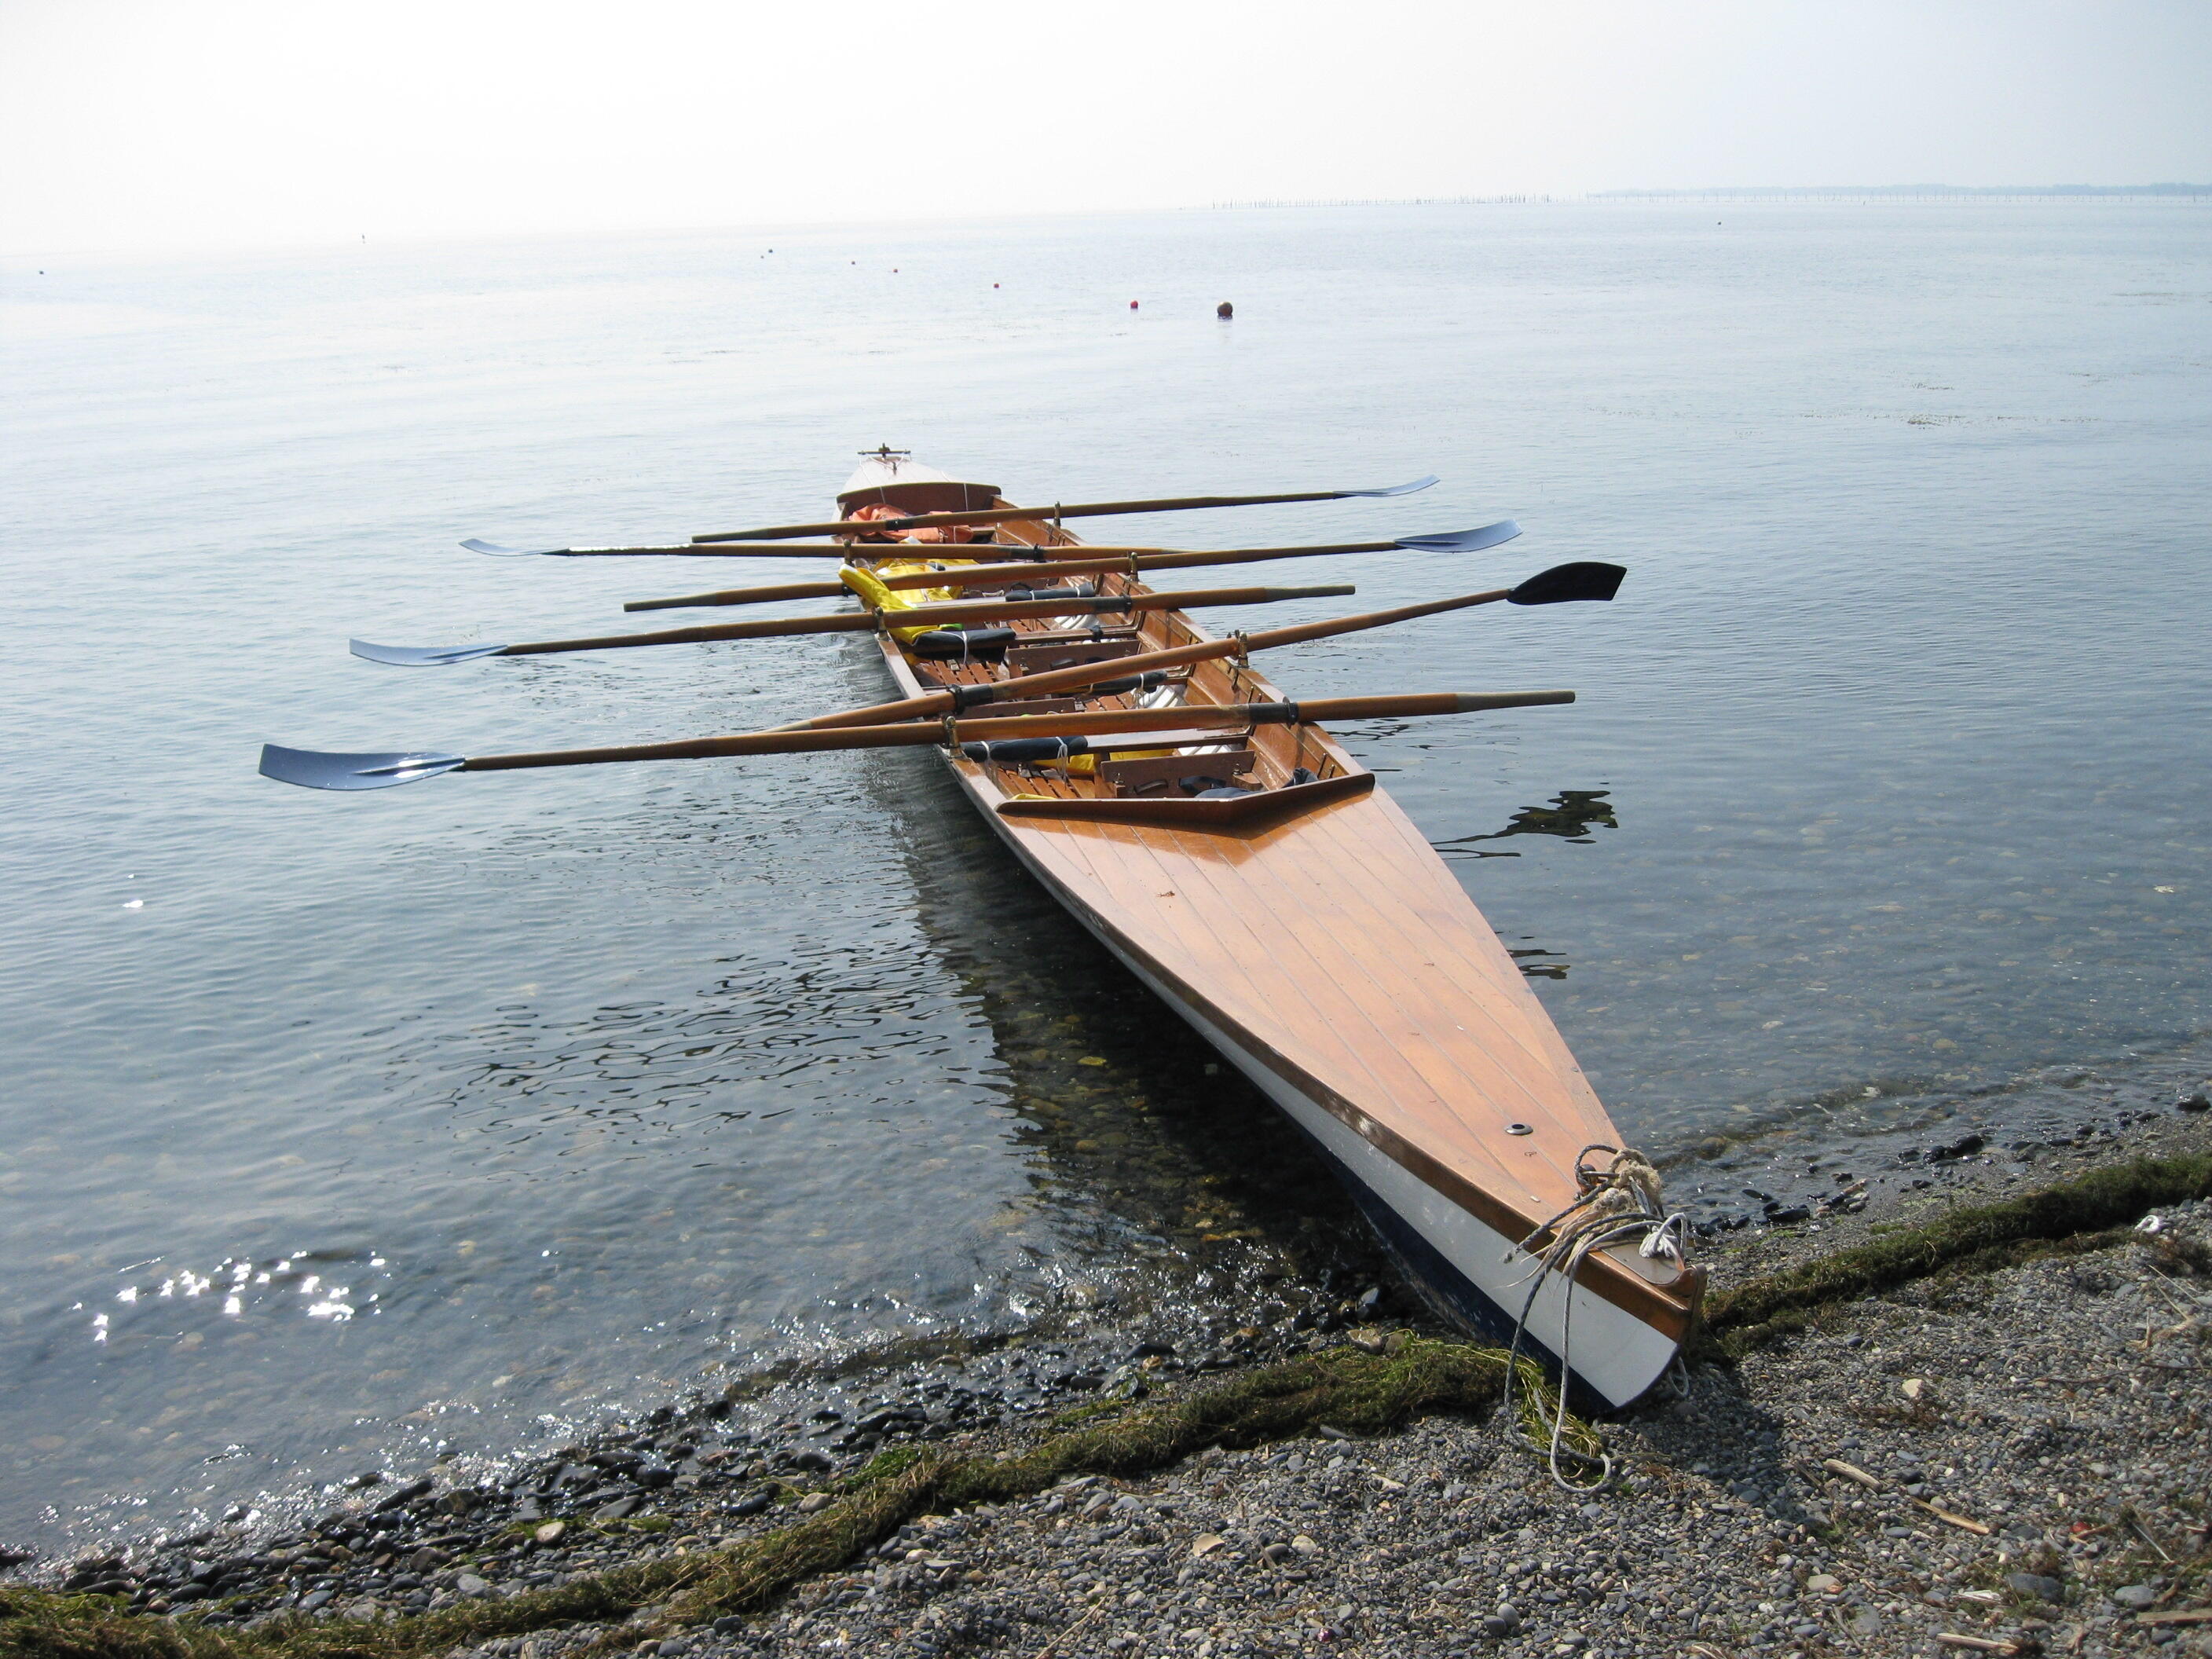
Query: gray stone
pixel 2135 1597
pixel 2035 1585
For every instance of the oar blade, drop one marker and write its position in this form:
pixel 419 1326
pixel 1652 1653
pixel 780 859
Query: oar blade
pixel 312 768
pixel 1464 541
pixel 1585 579
pixel 477 544
pixel 421 656
pixel 1407 489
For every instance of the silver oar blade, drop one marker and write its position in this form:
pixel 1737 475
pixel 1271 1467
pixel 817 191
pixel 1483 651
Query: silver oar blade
pixel 422 656
pixel 1398 490
pixel 1465 541
pixel 477 544
pixel 312 768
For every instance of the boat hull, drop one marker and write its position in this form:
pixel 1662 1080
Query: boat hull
pixel 1469 1270
pixel 1311 934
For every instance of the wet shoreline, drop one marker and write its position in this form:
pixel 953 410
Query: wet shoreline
pixel 721 1463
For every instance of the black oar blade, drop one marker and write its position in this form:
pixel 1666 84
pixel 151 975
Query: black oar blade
pixel 1422 482
pixel 312 768
pixel 476 545
pixel 421 656
pixel 1465 541
pixel 1583 579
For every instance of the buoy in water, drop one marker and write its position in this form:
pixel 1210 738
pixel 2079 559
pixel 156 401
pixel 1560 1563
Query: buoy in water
pixel 1224 309
pixel 1132 305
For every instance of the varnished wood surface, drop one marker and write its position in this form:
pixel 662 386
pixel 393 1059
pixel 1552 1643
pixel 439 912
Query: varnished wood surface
pixel 1339 950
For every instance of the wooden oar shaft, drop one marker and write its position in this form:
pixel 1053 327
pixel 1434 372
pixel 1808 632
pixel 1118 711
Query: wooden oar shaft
pixel 766 627
pixel 820 550
pixel 1298 633
pixel 774 594
pixel 985 610
pixel 994 575
pixel 984 575
pixel 914 735
pixel 926 615
pixel 1003 515
pixel 931 704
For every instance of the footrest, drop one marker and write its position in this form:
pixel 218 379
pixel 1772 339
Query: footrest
pixel 1069 653
pixel 1159 777
pixel 1255 810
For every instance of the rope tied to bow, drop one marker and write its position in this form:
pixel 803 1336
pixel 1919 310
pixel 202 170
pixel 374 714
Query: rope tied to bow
pixel 1620 1202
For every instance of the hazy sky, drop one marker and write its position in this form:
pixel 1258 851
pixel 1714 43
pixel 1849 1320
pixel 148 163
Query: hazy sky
pixel 154 122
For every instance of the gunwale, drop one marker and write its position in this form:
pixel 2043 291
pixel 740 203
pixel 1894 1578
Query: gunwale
pixel 1329 1003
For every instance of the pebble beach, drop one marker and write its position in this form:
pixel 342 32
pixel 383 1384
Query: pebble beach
pixel 2005 1462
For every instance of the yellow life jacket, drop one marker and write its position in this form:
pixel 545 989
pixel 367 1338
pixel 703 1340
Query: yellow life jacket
pixel 869 586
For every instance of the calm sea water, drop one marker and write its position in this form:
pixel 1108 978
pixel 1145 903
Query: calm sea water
pixel 335 1127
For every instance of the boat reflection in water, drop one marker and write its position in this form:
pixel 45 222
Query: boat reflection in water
pixel 1151 1157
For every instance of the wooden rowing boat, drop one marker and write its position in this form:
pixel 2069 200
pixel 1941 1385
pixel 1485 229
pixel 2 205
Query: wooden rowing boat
pixel 1219 841
pixel 1264 887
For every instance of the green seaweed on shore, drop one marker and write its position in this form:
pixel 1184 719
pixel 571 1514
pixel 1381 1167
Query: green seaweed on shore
pixel 1347 1388
pixel 2071 1217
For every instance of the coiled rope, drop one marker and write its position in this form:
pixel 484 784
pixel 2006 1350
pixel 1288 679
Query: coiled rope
pixel 1615 1205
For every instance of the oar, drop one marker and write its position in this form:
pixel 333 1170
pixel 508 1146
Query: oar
pixel 771 549
pixel 865 622
pixel 1562 584
pixel 1080 510
pixel 1093 562
pixel 313 769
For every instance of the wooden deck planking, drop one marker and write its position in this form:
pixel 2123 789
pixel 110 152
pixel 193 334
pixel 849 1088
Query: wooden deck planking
pixel 1474 943
pixel 1256 934
pixel 1406 1096
pixel 1502 1019
pixel 1386 1013
pixel 1551 1046
pixel 1119 889
pixel 1477 1073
